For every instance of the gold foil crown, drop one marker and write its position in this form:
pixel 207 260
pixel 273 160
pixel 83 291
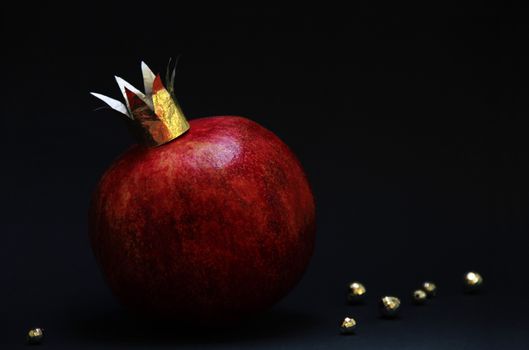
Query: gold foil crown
pixel 156 113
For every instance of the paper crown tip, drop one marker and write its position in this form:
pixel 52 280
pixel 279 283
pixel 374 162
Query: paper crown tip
pixel 112 103
pixel 157 84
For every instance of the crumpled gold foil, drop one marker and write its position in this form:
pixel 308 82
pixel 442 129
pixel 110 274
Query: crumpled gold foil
pixel 168 112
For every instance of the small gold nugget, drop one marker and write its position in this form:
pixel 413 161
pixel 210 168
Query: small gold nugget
pixel 348 325
pixel 473 281
pixel 389 306
pixel 419 296
pixel 35 336
pixel 430 288
pixel 356 293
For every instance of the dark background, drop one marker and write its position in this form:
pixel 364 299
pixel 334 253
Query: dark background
pixel 411 127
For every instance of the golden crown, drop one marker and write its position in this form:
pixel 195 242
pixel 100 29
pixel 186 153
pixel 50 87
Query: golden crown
pixel 156 113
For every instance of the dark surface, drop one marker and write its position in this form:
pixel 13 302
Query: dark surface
pixel 412 129
pixel 447 322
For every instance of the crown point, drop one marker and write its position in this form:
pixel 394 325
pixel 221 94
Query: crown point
pixel 112 103
pixel 148 79
pixel 157 84
pixel 133 99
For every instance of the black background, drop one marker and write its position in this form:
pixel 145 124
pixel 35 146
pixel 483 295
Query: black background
pixel 411 127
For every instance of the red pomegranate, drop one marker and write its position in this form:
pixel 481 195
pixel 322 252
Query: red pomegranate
pixel 211 219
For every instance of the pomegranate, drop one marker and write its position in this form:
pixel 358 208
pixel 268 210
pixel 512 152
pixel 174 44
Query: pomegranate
pixel 212 218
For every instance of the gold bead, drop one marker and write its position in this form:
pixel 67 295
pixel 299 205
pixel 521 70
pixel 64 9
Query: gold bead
pixel 356 292
pixel 419 296
pixel 389 306
pixel 35 335
pixel 348 325
pixel 473 281
pixel 430 288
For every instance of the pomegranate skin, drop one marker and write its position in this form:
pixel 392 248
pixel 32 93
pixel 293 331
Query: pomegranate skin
pixel 216 224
